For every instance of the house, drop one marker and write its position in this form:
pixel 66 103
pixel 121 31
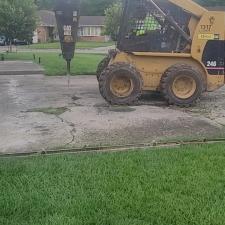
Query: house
pixel 46 28
pixel 90 28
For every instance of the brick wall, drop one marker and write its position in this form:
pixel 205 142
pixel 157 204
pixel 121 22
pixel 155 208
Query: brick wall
pixel 45 34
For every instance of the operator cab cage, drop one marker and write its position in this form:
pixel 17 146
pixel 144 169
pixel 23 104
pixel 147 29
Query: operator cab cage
pixel 153 26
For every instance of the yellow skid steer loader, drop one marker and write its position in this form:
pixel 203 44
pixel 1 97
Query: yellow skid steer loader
pixel 175 47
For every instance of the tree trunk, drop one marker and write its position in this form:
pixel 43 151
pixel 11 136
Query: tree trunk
pixel 10 46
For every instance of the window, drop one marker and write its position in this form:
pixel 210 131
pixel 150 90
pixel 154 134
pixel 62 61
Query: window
pixel 90 31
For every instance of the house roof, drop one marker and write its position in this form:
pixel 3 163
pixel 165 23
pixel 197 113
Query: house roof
pixel 92 20
pixel 47 18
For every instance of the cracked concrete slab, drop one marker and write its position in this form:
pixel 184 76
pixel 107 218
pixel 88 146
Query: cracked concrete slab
pixel 40 113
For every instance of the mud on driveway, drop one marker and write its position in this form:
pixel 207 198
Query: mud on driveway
pixel 40 113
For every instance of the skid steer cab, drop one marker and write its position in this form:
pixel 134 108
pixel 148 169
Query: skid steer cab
pixel 175 47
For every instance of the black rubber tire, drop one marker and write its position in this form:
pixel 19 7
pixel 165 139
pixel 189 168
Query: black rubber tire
pixel 101 66
pixel 114 70
pixel 171 74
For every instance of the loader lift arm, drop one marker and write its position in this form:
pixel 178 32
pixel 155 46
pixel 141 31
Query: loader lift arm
pixel 171 21
pixel 190 6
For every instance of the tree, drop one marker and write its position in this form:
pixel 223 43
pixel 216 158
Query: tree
pixel 112 20
pixel 95 7
pixel 17 19
pixel 45 4
pixel 88 7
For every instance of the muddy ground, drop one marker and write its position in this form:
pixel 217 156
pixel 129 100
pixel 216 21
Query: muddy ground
pixel 39 113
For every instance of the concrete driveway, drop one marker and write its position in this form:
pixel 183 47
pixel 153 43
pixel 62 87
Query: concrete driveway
pixel 40 113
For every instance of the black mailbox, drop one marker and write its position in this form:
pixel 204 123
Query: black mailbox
pixel 67 18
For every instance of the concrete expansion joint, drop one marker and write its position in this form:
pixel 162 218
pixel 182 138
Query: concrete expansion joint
pixel 72 130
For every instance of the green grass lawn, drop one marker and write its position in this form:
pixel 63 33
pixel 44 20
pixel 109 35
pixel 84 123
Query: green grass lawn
pixel 80 45
pixel 54 64
pixel 183 186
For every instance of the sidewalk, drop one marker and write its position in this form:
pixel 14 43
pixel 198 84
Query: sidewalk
pixel 20 68
pixel 100 50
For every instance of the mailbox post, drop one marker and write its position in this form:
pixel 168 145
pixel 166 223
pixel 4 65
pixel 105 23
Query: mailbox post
pixel 67 18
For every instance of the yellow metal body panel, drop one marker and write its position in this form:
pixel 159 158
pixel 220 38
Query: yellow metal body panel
pixel 211 26
pixel 153 65
pixel 190 6
pixel 192 26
